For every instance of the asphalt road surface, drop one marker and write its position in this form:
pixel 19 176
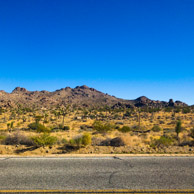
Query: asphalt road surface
pixel 97 173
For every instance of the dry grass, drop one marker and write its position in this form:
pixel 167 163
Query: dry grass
pixel 133 140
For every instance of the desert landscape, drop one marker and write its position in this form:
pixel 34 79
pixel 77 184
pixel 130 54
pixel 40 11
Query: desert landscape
pixel 96 96
pixel 83 120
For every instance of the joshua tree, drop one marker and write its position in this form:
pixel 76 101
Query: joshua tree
pixel 178 128
pixel 8 127
pixel 45 117
pixel 64 112
pixel 11 125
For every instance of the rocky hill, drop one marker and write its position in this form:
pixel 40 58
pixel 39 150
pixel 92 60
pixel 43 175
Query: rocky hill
pixel 80 96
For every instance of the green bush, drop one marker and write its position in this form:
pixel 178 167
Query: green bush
pixel 80 141
pixel 2 138
pixel 186 110
pixel 156 128
pixel 163 141
pixel 64 141
pixel 125 129
pixel 44 140
pixel 72 142
pixel 38 127
pixel 168 109
pixel 102 127
pixel 86 139
pixel 178 127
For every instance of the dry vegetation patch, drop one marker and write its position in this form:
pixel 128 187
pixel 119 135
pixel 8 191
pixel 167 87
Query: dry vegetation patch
pixel 116 131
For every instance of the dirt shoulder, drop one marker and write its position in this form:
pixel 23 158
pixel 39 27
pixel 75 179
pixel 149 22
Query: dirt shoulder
pixel 61 151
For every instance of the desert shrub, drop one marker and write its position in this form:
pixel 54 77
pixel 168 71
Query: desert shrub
pixel 66 128
pixel 186 110
pixel 105 142
pixel 55 129
pixel 86 139
pixel 192 133
pixel 2 138
pixel 60 126
pixel 125 129
pixel 78 141
pixel 86 128
pixel 92 116
pixel 177 110
pixel 38 127
pixel 168 109
pixel 82 140
pixel 44 140
pixel 72 142
pixel 42 129
pixel 96 141
pixel 163 141
pixel 156 128
pixel 64 141
pixel 119 123
pixel 102 127
pixel 83 127
pixel 17 138
pixel 127 114
pixel 117 142
pixel 138 128
pixel 168 130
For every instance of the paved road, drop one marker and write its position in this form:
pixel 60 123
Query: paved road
pixel 97 173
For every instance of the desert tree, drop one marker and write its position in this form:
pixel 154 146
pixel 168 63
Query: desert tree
pixel 8 127
pixel 178 128
pixel 64 111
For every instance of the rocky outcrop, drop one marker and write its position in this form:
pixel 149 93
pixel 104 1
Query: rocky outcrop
pixel 171 102
pixel 18 90
pixel 82 96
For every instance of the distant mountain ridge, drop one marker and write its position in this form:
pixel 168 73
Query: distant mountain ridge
pixel 82 96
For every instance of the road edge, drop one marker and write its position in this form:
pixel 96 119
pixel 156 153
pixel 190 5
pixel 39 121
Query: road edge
pixel 96 155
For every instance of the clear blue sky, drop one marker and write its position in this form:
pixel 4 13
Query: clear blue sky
pixel 126 48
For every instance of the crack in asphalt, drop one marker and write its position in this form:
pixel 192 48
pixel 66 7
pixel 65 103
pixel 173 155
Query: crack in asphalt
pixel 115 157
pixel 126 162
pixel 111 176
